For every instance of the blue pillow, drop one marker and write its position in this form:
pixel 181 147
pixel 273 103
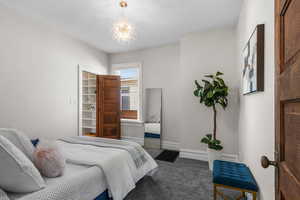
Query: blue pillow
pixel 35 142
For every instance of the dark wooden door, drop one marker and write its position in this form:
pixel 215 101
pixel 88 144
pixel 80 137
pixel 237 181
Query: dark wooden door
pixel 287 99
pixel 108 106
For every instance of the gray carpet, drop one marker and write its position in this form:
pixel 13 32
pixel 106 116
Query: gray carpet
pixel 184 179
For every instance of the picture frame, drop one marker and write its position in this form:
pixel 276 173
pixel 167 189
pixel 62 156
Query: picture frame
pixel 253 62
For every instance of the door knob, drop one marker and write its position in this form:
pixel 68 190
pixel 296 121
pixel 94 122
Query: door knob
pixel 265 162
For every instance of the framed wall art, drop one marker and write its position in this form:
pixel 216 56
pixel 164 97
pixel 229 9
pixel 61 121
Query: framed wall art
pixel 253 62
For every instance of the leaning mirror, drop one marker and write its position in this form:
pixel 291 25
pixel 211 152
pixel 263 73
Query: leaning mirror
pixel 153 116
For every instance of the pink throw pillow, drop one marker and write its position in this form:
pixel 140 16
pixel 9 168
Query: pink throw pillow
pixel 49 160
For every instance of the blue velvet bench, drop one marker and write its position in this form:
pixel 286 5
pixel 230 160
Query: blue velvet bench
pixel 235 176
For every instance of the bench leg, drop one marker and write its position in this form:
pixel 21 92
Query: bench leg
pixel 242 196
pixel 254 195
pixel 215 192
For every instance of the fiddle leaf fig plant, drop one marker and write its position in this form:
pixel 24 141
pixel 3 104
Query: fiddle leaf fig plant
pixel 211 93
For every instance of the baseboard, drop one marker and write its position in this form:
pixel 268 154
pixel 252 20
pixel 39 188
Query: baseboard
pixel 202 155
pixel 184 153
pixel 165 144
pixel 170 145
pixel 193 154
pixel 230 157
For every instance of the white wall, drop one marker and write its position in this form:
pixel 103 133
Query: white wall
pixel 160 69
pixel 256 124
pixel 202 54
pixel 174 68
pixel 39 77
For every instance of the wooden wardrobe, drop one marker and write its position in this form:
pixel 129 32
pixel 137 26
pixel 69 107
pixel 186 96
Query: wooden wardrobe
pixel 108 106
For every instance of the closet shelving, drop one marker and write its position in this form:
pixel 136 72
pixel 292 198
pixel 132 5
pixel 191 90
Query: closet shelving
pixel 99 104
pixel 88 115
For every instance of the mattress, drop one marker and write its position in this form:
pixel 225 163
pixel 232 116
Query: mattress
pixel 78 183
pixel 153 128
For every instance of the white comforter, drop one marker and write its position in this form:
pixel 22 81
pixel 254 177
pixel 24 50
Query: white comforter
pixel 117 164
pixel 78 183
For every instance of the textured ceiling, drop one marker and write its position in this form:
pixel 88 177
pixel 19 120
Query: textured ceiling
pixel 157 22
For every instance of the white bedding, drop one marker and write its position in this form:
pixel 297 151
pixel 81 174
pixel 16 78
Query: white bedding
pixel 78 183
pixel 117 164
pixel 91 170
pixel 152 128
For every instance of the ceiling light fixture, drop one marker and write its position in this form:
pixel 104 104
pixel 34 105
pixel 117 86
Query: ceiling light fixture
pixel 123 31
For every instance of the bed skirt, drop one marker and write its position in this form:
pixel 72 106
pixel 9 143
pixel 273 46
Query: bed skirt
pixel 152 135
pixel 103 196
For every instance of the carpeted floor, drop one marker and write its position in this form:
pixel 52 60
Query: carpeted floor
pixel 184 179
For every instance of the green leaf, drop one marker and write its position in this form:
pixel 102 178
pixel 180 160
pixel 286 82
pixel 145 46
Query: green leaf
pixel 209 76
pixel 216 83
pixel 205 140
pixel 215 147
pixel 197 92
pixel 220 90
pixel 209 103
pixel 201 99
pixel 221 81
pixel 219 73
pixel 197 84
pixel 218 147
pixel 223 103
pixel 209 136
pixel 210 94
pixel 216 142
pixel 206 81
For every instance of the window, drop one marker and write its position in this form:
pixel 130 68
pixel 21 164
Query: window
pixel 125 102
pixel 130 89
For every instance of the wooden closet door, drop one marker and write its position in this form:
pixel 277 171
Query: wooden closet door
pixel 288 99
pixel 108 106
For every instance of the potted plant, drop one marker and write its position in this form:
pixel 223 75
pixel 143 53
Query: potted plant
pixel 214 92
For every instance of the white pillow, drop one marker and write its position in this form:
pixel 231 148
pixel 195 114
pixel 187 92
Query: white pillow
pixel 49 160
pixel 3 195
pixel 17 172
pixel 20 140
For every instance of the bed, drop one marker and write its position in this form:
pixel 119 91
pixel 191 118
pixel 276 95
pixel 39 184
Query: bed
pixel 78 183
pixel 96 169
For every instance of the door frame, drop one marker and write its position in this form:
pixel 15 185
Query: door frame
pixel 276 92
